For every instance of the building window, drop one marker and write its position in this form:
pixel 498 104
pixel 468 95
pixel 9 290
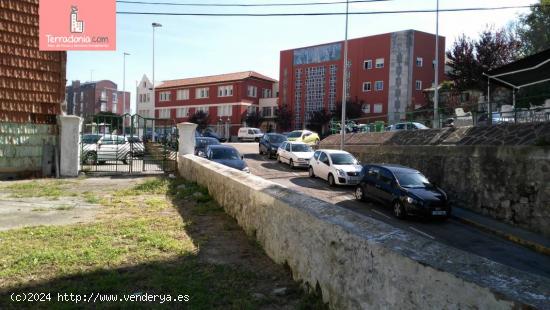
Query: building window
pixel 266 93
pixel 379 85
pixel 418 85
pixel 115 98
pixel 201 93
pixel 225 110
pixel 266 111
pixel 251 109
pixel 164 113
pixel 182 94
pixel 365 108
pixel 103 107
pixel 114 108
pixel 377 108
pixel 252 91
pixel 182 112
pixel 164 96
pixel 202 109
pixel 379 62
pixel 367 65
pixel 148 97
pixel 104 95
pixel 419 61
pixel 366 86
pixel 225 91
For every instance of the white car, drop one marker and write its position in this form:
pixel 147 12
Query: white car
pixel 296 154
pixel 249 134
pixel 337 167
pixel 107 148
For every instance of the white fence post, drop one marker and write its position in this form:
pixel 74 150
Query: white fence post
pixel 69 145
pixel 186 140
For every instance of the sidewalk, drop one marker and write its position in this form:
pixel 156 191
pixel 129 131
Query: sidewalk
pixel 515 234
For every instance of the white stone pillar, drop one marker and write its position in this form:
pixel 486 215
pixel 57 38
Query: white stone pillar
pixel 69 145
pixel 186 140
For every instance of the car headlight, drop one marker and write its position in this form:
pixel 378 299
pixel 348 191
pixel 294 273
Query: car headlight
pixel 246 169
pixel 410 200
pixel 341 172
pixel 201 154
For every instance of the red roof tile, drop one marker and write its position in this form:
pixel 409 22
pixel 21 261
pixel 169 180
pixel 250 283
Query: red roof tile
pixel 237 76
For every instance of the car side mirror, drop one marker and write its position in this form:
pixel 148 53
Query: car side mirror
pixel 242 157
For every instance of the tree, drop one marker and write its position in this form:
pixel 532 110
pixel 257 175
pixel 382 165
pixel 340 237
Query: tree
pixel 200 118
pixel 353 109
pixel 319 119
pixel 283 118
pixel 253 119
pixel 463 63
pixel 533 29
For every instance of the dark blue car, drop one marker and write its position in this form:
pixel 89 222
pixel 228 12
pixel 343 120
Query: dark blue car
pixel 270 142
pixel 202 143
pixel 228 156
pixel 405 189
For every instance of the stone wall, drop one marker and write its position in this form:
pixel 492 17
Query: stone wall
pixel 356 261
pixel 509 182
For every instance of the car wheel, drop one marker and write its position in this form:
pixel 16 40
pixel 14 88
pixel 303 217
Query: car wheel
pixel 311 173
pixel 261 152
pixel 126 158
pixel 398 210
pixel 331 181
pixel 257 139
pixel 317 142
pixel 90 159
pixel 291 163
pixel 360 193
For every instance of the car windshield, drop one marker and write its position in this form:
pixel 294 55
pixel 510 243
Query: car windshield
pixel 343 159
pixel 295 134
pixel 225 153
pixel 257 131
pixel 301 148
pixel 90 139
pixel 276 138
pixel 134 139
pixel 421 126
pixel 413 179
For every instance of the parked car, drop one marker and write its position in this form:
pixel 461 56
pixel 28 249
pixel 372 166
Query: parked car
pixel 212 134
pixel 107 148
pixel 405 189
pixel 306 136
pixel 269 144
pixel 90 138
pixel 335 166
pixel 202 143
pixel 406 126
pixel 249 134
pixel 228 156
pixel 136 146
pixel 296 154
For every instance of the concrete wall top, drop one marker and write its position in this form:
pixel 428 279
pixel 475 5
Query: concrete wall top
pixel 502 134
pixel 285 220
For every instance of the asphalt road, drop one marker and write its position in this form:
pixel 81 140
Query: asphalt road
pixel 450 232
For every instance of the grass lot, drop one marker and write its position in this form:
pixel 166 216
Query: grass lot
pixel 147 239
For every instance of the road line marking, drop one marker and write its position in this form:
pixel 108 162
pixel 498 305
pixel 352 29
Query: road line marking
pixel 380 213
pixel 421 232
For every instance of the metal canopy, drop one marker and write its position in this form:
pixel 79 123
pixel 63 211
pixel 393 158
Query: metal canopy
pixel 525 72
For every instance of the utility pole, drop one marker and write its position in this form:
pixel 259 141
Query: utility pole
pixel 436 66
pixel 344 86
pixel 124 82
pixel 155 25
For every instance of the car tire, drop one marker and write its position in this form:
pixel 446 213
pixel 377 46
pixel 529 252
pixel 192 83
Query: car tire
pixel 398 210
pixel 261 152
pixel 291 164
pixel 126 158
pixel 360 193
pixel 331 181
pixel 317 142
pixel 311 172
pixel 257 139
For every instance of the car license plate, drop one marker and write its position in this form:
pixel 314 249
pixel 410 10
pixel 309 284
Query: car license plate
pixel 439 212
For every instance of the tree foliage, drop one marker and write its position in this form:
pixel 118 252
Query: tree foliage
pixel 319 119
pixel 469 58
pixel 353 109
pixel 200 118
pixel 253 119
pixel 534 28
pixel 283 118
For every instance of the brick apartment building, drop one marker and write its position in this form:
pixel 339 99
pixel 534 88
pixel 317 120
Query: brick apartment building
pixel 226 97
pixel 387 72
pixel 32 86
pixel 86 99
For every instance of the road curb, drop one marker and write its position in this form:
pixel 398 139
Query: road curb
pixel 523 242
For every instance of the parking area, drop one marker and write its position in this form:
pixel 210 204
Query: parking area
pixel 451 232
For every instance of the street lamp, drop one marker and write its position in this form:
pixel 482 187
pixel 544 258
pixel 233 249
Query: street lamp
pixel 344 87
pixel 436 66
pixel 154 25
pixel 124 82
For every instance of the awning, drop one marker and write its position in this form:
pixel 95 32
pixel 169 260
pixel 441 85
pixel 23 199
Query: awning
pixel 525 72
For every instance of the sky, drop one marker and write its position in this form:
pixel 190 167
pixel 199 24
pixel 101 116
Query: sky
pixel 199 46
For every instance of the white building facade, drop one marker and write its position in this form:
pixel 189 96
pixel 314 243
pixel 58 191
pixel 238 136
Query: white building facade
pixel 145 105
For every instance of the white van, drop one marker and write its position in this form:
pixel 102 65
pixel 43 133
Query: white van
pixel 250 134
